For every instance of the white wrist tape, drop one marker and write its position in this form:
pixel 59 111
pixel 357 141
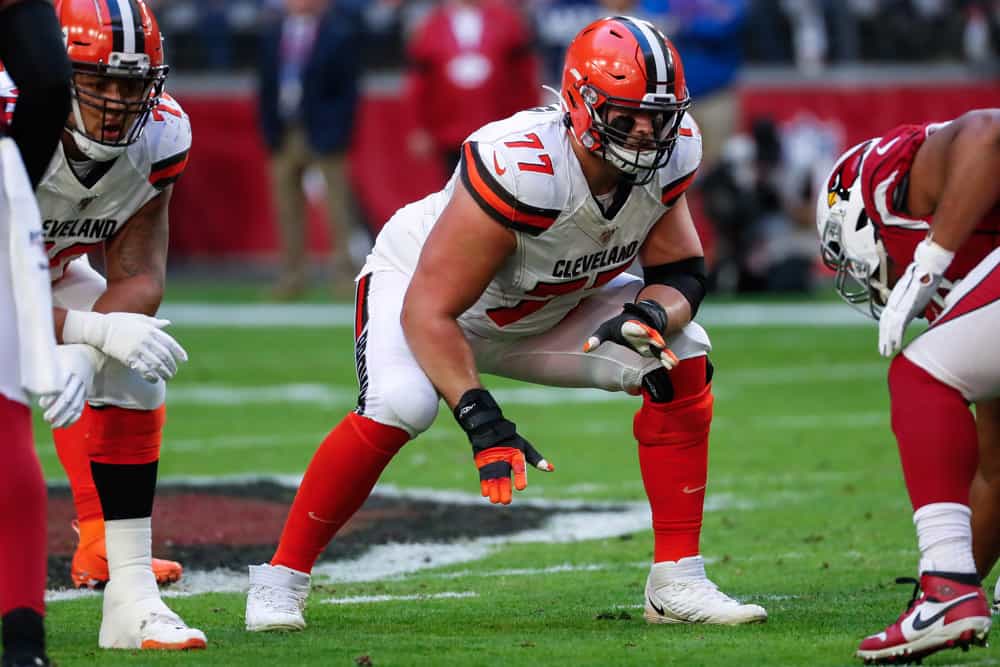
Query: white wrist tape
pixel 932 258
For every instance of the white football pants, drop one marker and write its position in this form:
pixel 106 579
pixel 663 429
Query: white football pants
pixel 395 391
pixel 962 347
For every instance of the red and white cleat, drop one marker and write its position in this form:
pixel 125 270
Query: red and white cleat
pixel 948 610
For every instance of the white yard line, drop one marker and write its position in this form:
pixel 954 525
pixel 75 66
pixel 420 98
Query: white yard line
pixel 367 599
pixel 233 315
pixel 388 561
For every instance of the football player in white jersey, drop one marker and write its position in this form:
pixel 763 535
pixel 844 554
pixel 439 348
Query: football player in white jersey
pixel 31 45
pixel 517 268
pixel 107 188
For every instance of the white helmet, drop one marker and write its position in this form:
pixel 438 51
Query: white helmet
pixel 849 241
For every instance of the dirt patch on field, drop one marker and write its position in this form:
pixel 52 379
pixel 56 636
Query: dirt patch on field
pixel 234 525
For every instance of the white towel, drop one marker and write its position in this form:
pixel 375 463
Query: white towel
pixel 29 266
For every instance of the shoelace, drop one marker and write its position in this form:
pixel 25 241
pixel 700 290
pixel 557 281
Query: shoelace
pixel 706 589
pixel 913 598
pixel 280 599
pixel 166 619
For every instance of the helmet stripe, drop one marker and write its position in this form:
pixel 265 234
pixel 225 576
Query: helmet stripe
pixel 125 18
pixel 117 34
pixel 654 53
pixel 140 34
pixel 680 85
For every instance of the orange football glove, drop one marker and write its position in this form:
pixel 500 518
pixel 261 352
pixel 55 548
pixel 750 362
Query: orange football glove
pixel 497 449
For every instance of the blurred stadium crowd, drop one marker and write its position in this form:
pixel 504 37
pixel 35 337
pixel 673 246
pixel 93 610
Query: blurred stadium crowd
pixel 754 197
pixel 221 34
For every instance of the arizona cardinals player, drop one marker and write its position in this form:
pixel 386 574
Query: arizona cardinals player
pixel 31 45
pixel 910 222
pixel 517 268
pixel 108 188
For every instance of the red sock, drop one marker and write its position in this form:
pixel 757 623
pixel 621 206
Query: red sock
pixel 339 478
pixel 22 514
pixel 673 457
pixel 72 444
pixel 936 434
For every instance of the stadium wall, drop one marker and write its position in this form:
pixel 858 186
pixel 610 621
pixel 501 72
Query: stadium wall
pixel 222 206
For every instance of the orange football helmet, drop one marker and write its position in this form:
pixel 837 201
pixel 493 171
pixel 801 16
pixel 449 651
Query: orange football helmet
pixel 628 64
pixel 116 51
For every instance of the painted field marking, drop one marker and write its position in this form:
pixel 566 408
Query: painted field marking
pixel 367 599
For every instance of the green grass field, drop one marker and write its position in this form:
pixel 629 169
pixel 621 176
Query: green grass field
pixel 811 517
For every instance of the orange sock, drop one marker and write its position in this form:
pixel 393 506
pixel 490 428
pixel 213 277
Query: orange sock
pixel 673 457
pixel 339 478
pixel 72 445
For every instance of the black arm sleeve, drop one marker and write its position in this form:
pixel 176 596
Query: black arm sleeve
pixel 32 50
pixel 687 276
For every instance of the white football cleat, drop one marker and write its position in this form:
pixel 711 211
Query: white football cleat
pixel 145 623
pixel 276 599
pixel 680 592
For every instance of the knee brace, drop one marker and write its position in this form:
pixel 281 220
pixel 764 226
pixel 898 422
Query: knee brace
pixel 121 436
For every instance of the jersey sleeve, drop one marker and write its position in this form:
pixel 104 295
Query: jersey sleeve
pixel 8 98
pixel 678 174
pixel 170 138
pixel 516 193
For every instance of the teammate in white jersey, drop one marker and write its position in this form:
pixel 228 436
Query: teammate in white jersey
pixel 517 268
pixel 30 43
pixel 108 188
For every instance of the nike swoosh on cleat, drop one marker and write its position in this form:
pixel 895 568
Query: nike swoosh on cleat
pixel 921 623
pixel 659 610
pixel 496 165
pixel 314 517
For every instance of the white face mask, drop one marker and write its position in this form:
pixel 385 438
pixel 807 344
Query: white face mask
pixel 92 149
pixel 635 162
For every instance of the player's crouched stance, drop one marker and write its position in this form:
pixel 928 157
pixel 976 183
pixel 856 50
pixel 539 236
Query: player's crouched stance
pixel 517 268
pixel 107 188
pixel 916 210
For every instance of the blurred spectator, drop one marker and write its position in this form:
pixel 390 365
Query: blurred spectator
pixel 707 34
pixel 308 75
pixel 471 63
pixel 760 197
pixel 215 35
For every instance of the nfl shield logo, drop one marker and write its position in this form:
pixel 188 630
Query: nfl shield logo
pixel 607 234
pixel 85 202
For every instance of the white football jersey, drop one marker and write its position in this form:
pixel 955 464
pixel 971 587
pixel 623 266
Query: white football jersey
pixel 522 171
pixel 78 214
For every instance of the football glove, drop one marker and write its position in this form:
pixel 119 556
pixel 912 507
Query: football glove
pixel 79 364
pixel 497 449
pixel 911 294
pixel 131 338
pixel 640 328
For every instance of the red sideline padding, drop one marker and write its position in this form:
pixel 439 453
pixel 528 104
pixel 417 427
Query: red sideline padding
pixel 222 204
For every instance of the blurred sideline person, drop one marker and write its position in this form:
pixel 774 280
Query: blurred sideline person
pixel 308 73
pixel 909 222
pixel 108 187
pixel 31 45
pixel 471 63
pixel 522 258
